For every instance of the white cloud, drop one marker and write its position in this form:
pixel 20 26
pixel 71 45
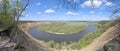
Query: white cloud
pixel 27 7
pixel 96 3
pixel 109 3
pixel 38 3
pixel 86 3
pixel 24 13
pixel 38 12
pixel 92 12
pixel 49 11
pixel 72 13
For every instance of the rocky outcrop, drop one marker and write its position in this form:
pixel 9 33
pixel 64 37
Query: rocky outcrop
pixel 23 41
pixel 113 45
pixel 5 42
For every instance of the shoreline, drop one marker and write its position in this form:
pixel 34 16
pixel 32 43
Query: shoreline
pixel 64 30
pixel 62 33
pixel 54 32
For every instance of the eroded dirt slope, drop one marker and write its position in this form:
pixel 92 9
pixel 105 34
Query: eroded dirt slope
pixel 98 44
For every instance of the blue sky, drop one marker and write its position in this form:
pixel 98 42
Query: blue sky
pixel 46 10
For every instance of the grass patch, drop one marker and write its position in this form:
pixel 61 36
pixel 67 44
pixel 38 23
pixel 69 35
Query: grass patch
pixel 63 27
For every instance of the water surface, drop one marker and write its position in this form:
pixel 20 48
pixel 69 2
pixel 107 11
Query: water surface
pixel 45 36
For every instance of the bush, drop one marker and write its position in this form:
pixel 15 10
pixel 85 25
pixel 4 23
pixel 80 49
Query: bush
pixel 57 46
pixel 51 44
pixel 6 21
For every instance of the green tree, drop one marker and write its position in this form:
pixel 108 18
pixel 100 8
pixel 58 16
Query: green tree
pixel 10 12
pixel 6 19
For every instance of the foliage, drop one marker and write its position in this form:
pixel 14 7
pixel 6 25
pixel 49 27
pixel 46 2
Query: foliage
pixel 6 19
pixel 11 11
pixel 117 21
pixel 50 44
pixel 63 27
pixel 88 38
pixel 57 45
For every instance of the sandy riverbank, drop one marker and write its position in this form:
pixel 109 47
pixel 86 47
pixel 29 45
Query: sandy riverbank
pixel 55 32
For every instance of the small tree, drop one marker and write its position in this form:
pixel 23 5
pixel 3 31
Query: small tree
pixel 6 19
pixel 10 12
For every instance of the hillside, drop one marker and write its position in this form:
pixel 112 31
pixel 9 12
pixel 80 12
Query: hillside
pixel 98 44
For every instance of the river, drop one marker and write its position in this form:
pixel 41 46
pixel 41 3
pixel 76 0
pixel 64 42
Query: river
pixel 45 36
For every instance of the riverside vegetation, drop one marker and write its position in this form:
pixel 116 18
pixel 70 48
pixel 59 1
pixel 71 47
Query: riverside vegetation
pixel 63 27
pixel 85 40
